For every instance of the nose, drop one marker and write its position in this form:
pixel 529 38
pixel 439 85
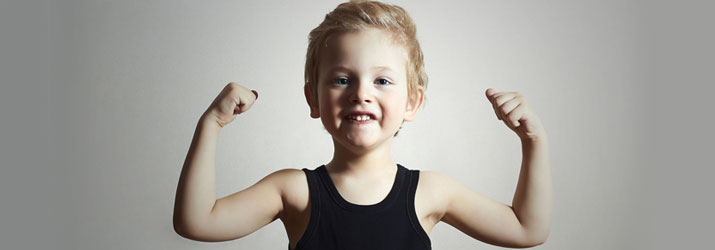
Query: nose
pixel 361 93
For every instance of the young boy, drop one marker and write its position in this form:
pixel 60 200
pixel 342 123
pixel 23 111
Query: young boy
pixel 364 78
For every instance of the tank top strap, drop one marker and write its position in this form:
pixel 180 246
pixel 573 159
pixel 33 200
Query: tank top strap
pixel 413 180
pixel 315 206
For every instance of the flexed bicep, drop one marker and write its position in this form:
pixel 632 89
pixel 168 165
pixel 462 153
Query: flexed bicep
pixel 242 213
pixel 483 218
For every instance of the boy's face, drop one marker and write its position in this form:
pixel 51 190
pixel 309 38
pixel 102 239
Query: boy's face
pixel 362 90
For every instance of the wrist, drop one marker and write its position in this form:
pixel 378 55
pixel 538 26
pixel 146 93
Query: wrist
pixel 208 121
pixel 535 139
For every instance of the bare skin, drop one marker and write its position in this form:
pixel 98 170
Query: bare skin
pixel 361 168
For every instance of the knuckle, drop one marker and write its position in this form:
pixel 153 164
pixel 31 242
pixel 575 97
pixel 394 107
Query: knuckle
pixel 233 85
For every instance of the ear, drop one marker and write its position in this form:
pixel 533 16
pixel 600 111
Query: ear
pixel 312 102
pixel 414 104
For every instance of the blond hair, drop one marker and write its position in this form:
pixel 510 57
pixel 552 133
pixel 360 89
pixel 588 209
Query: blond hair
pixel 360 15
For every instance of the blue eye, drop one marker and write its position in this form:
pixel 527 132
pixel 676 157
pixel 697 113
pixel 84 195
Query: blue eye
pixel 341 81
pixel 382 81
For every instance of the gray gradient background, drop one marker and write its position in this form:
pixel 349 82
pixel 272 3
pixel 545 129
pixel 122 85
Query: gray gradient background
pixel 100 99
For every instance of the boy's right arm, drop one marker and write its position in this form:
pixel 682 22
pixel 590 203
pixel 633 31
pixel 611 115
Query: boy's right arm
pixel 197 213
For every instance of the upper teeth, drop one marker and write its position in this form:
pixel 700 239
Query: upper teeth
pixel 360 117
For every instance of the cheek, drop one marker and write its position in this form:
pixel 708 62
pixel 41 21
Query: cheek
pixel 396 106
pixel 328 101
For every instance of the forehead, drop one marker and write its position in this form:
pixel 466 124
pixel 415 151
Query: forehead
pixel 362 50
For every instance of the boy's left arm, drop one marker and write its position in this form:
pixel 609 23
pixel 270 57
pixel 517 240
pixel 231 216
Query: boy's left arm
pixel 527 222
pixel 533 199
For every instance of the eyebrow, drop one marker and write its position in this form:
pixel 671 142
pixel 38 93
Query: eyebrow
pixel 376 68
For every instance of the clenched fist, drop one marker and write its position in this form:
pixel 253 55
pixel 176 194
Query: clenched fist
pixel 233 100
pixel 515 112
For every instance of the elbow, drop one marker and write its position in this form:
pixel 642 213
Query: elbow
pixel 183 229
pixel 536 240
pixel 531 238
pixel 186 226
pixel 180 229
pixel 201 232
pixel 185 232
pixel 526 243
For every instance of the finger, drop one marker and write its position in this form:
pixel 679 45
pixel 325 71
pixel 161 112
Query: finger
pixel 509 105
pixel 496 110
pixel 237 109
pixel 247 101
pixel 517 114
pixel 502 97
pixel 493 96
pixel 499 100
pixel 490 96
pixel 489 93
pixel 237 105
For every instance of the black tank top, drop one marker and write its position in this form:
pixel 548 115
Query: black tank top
pixel 336 224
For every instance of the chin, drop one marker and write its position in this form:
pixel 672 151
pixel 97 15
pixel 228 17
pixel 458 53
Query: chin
pixel 360 144
pixel 359 149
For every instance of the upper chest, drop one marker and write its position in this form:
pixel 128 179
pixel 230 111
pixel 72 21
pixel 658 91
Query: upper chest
pixel 430 202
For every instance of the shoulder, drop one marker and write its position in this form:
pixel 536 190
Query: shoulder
pixel 437 180
pixel 443 185
pixel 292 185
pixel 288 179
pixel 435 190
pixel 287 174
pixel 437 183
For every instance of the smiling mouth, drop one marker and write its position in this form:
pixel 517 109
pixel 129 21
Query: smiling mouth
pixel 359 118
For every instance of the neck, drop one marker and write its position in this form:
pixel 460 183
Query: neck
pixel 375 161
